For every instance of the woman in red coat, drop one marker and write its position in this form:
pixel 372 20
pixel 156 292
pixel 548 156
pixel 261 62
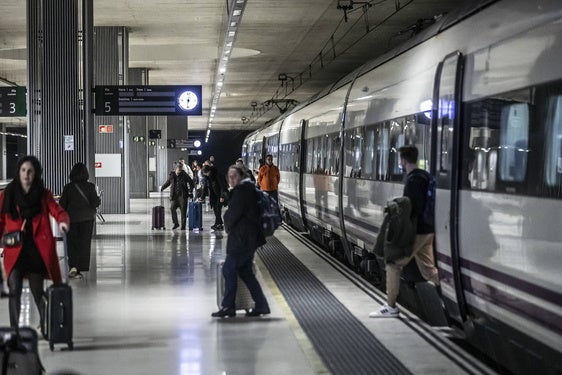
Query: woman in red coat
pixel 26 206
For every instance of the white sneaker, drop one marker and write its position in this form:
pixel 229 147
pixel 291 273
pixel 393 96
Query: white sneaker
pixel 385 312
pixel 73 272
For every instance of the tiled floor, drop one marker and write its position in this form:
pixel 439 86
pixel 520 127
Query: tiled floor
pixel 144 308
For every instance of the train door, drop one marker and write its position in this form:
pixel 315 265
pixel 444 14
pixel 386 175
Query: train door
pixel 302 170
pixel 445 168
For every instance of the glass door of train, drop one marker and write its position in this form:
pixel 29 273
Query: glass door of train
pixel 445 169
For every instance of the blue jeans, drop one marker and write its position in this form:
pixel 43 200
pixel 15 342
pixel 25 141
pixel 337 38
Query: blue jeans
pixel 241 265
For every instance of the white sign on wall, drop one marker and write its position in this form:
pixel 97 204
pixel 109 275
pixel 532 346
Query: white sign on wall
pixel 108 165
pixel 68 143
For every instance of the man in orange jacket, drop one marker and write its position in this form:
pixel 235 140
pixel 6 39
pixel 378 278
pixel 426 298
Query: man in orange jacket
pixel 269 177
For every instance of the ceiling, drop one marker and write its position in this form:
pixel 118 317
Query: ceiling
pixel 181 42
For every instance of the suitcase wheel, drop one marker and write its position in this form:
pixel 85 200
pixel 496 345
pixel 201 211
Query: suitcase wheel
pixel 52 347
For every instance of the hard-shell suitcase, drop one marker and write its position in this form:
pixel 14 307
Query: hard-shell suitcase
pixel 57 304
pixel 18 352
pixel 158 216
pixel 195 215
pixel 244 299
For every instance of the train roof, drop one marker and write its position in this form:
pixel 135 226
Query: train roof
pixel 441 24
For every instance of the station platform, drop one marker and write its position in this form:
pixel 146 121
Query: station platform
pixel 144 308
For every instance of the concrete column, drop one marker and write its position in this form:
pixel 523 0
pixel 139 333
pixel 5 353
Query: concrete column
pixel 55 132
pixel 138 150
pixel 111 61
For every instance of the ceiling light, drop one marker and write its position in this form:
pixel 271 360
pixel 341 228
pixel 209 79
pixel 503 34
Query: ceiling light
pixel 229 44
pixel 236 12
pixel 232 24
pixel 231 33
pixel 219 83
pixel 222 70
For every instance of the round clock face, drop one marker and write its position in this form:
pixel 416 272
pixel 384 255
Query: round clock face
pixel 187 100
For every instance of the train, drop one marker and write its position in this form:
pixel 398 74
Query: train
pixel 480 95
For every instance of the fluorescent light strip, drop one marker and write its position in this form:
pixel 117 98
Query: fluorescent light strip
pixel 233 22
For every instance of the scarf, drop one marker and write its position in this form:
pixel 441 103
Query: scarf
pixel 29 204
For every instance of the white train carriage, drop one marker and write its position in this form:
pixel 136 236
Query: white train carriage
pixel 480 95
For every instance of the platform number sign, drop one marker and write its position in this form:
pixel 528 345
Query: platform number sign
pixel 12 101
pixel 149 100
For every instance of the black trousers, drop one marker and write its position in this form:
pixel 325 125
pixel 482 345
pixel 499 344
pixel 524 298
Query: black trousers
pixel 241 265
pixel 273 194
pixel 15 284
pixel 181 203
pixel 217 209
pixel 79 239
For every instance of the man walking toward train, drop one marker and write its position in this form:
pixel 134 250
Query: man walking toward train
pixel 416 188
pixel 269 177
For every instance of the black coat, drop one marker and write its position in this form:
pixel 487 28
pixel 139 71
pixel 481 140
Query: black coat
pixel 241 220
pixel 185 182
pixel 78 208
pixel 416 189
pixel 217 187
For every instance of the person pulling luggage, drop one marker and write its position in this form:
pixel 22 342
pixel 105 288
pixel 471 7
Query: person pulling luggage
pixel 180 192
pixel 241 221
pixel 29 245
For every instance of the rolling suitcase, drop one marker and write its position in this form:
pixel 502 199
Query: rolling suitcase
pixel 18 352
pixel 244 299
pixel 195 215
pixel 158 216
pixel 57 304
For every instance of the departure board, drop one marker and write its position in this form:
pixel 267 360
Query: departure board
pixel 12 101
pixel 149 100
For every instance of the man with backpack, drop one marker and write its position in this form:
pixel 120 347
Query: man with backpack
pixel 242 223
pixel 419 188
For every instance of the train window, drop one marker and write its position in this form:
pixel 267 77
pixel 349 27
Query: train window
pixel 397 140
pixel 553 162
pixel 336 145
pixel 368 153
pixel 514 142
pixel 383 150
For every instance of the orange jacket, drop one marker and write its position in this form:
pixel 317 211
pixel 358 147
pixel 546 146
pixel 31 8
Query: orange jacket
pixel 268 177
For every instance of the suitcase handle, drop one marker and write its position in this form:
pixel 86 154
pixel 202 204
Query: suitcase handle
pixel 61 315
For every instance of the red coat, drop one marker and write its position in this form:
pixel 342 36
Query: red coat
pixel 42 235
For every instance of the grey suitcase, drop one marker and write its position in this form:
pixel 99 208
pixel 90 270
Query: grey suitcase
pixel 244 299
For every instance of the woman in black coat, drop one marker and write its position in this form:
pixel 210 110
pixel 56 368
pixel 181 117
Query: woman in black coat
pixel 241 221
pixel 80 200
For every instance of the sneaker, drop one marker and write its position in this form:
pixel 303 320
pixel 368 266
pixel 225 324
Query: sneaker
pixel 176 226
pixel 258 312
pixel 385 312
pixel 214 227
pixel 73 272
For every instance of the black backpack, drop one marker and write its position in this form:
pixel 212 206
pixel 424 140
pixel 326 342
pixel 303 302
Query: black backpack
pixel 270 215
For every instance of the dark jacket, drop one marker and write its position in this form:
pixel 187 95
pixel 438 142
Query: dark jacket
pixel 185 184
pixel 241 220
pixel 216 186
pixel 79 208
pixel 415 188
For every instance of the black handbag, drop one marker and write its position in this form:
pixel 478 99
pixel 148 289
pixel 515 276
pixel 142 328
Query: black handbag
pixel 14 238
